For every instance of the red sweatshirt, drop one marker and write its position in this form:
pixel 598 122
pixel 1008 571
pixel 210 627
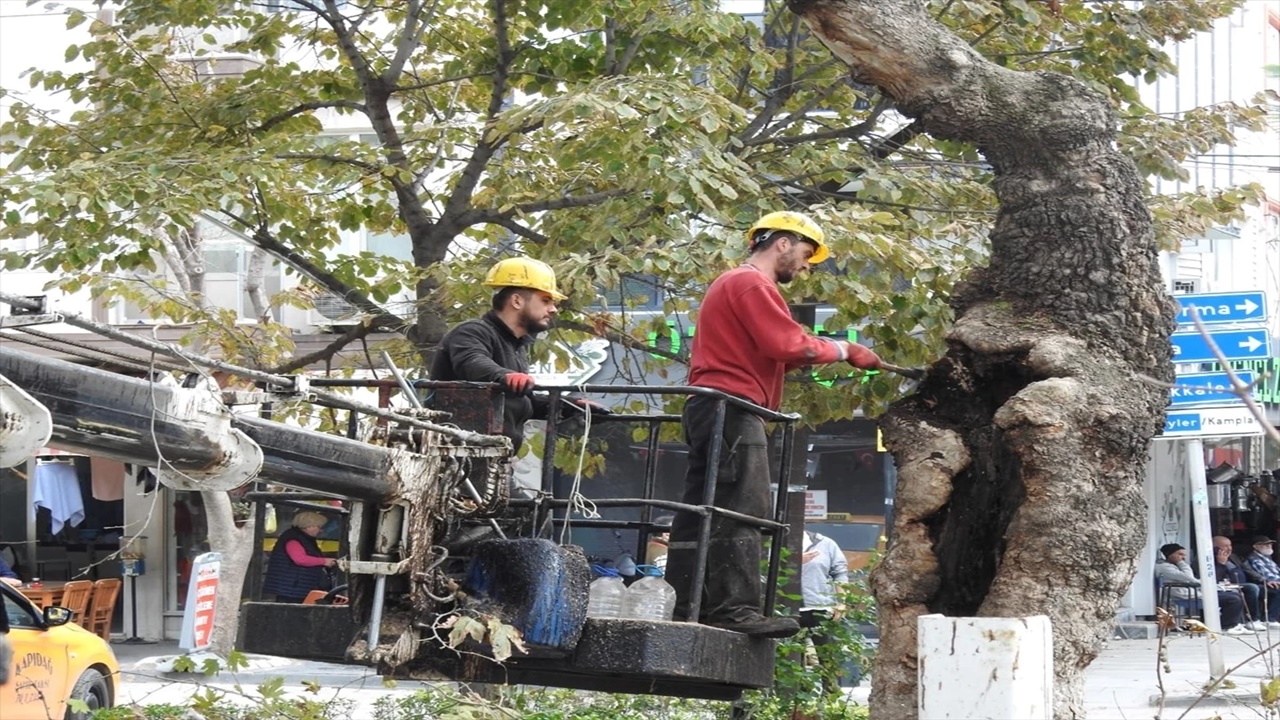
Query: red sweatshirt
pixel 746 340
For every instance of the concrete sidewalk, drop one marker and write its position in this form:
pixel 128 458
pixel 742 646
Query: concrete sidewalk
pixel 1121 683
pixel 1124 682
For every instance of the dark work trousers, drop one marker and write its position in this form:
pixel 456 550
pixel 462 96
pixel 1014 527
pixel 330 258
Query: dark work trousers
pixel 1250 593
pixel 1230 608
pixel 732 589
pixel 1255 598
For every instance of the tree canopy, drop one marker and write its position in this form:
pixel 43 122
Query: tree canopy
pixel 611 139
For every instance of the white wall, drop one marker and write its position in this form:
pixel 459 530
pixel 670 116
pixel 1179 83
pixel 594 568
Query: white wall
pixel 1168 520
pixel 145 516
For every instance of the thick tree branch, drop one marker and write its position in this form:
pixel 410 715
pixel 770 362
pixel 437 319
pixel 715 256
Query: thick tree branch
pixel 522 231
pixel 849 133
pixel 631 50
pixel 354 333
pixel 346 41
pixel 410 39
pixel 273 121
pixel 262 237
pixel 477 216
pixel 469 178
pixel 620 338
pixel 363 165
pixel 435 83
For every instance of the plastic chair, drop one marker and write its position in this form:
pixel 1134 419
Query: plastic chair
pixel 75 597
pixel 105 593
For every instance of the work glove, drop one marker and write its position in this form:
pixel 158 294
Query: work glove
pixel 518 382
pixel 861 356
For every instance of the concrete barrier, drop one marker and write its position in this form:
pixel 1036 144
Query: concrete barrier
pixel 979 667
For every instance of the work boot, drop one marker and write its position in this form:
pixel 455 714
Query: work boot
pixel 759 626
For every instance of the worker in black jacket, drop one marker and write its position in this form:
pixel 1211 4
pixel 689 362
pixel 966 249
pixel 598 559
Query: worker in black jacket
pixel 495 347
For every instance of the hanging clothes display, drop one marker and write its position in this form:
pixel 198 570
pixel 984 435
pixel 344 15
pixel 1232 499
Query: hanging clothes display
pixel 57 489
pixel 107 477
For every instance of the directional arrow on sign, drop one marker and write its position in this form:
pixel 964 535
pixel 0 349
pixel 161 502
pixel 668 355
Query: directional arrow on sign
pixel 1191 347
pixel 1220 308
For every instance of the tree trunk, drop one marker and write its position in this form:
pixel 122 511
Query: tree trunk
pixel 254 275
pixel 236 546
pixel 235 543
pixel 1020 458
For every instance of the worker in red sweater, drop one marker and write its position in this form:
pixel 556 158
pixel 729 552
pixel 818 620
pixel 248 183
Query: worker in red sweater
pixel 746 341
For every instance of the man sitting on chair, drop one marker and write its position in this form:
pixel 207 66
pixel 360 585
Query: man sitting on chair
pixel 1262 602
pixel 1172 568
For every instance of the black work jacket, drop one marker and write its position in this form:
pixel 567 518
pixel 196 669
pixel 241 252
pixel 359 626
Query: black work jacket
pixel 485 350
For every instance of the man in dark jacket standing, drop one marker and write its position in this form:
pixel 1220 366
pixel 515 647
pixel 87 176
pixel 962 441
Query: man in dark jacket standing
pixel 746 341
pixel 495 347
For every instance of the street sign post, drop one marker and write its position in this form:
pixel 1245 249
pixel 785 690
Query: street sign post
pixel 1220 308
pixel 1191 347
pixel 1209 422
pixel 1206 389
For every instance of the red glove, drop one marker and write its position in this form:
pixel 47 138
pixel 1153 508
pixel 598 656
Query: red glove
pixel 518 382
pixel 862 357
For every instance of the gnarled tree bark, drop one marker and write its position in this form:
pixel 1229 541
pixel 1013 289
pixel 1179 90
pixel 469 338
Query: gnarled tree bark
pixel 1020 457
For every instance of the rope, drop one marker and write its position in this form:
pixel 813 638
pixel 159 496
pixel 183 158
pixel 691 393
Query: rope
pixel 578 503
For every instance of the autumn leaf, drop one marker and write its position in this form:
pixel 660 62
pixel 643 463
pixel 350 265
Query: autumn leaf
pixel 504 639
pixel 462 627
pixel 1270 691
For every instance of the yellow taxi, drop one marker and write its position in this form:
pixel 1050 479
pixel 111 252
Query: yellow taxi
pixel 53 661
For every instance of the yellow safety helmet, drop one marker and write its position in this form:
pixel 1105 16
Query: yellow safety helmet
pixel 524 272
pixel 796 223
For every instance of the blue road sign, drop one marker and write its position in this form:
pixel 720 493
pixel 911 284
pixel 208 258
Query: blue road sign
pixel 1205 389
pixel 1218 308
pixel 1191 347
pixel 1205 422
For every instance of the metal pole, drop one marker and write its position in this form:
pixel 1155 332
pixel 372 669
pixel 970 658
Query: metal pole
pixel 780 515
pixel 550 436
pixel 708 498
pixel 650 481
pixel 1204 553
pixel 375 616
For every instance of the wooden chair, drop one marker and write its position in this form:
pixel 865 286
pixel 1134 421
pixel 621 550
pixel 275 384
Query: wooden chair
pixel 105 593
pixel 75 597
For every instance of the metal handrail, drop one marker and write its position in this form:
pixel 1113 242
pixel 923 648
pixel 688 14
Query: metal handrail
pixel 777 527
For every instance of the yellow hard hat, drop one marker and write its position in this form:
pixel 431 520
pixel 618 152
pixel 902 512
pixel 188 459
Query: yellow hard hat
pixel 524 272
pixel 796 223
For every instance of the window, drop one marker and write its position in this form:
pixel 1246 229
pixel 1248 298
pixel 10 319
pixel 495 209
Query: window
pixel 19 616
pixel 637 292
pixel 190 532
pixel 392 245
pixel 226 266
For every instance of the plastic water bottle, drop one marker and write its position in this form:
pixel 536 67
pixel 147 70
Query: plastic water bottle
pixel 605 594
pixel 626 565
pixel 650 597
